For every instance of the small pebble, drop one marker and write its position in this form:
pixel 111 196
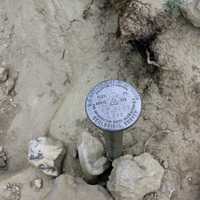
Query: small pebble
pixel 165 164
pixel 189 179
pixel 37 183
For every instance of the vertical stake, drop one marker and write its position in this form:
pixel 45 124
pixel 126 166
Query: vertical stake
pixel 113 106
pixel 113 144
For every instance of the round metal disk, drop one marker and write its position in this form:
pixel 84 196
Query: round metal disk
pixel 113 105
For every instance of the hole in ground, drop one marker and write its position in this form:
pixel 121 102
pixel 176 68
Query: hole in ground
pixel 143 46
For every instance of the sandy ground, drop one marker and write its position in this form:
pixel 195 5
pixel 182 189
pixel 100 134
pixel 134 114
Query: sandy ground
pixel 60 49
pixel 56 52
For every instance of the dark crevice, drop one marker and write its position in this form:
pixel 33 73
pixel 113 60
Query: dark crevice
pixel 103 178
pixel 143 46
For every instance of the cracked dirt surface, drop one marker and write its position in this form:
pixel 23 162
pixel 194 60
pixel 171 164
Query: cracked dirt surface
pixel 60 49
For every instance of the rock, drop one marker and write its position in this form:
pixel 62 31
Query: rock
pixel 17 187
pixel 3 158
pixel 67 187
pixel 134 177
pixel 91 155
pixel 191 11
pixel 13 191
pixel 3 74
pixel 47 155
pixel 143 18
pixel 37 183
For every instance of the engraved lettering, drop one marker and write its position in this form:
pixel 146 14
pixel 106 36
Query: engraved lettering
pixel 113 105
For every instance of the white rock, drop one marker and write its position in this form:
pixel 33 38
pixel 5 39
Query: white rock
pixel 91 154
pixel 47 155
pixel 133 177
pixel 68 188
pixel 3 74
pixel 191 11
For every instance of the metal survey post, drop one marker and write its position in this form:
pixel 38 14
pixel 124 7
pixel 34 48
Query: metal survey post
pixel 113 106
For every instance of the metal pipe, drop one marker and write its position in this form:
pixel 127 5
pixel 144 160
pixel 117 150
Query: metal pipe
pixel 113 144
pixel 113 106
